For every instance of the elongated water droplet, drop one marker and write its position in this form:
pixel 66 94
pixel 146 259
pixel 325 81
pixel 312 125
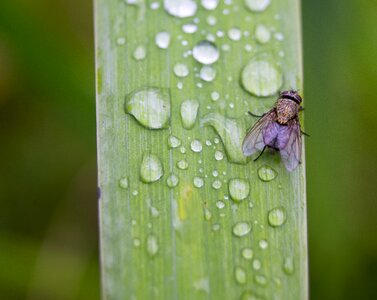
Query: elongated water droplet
pixel 162 39
pixel 207 73
pixel 207 214
pixel 140 52
pixel 198 182
pixel 173 141
pixel 247 253
pixel 206 52
pixel 241 229
pixel 288 266
pixel 232 133
pixel 150 107
pixel 234 34
pixel 182 164
pixel 189 112
pixel 276 216
pixel 151 168
pixel 263 244
pixel 266 173
pixel 257 264
pixel 210 4
pixel 189 28
pixel 257 5
pixel 262 34
pixel 240 275
pixel 172 180
pixel 123 183
pixel 152 245
pixel 261 78
pixel 180 8
pixel 238 189
pixel 181 70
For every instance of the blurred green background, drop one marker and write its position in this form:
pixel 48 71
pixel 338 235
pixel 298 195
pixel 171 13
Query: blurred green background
pixel 48 206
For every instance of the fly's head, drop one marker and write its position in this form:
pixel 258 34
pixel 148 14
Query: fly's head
pixel 291 95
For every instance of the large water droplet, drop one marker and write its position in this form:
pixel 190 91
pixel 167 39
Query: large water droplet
pixel 238 189
pixel 266 173
pixel 182 164
pixel 152 245
pixel 172 181
pixel 198 182
pixel 288 266
pixel 276 216
pixel 150 107
pixel 180 8
pixel 240 275
pixel 140 52
pixel 207 73
pixel 261 78
pixel 189 112
pixel 162 39
pixel 181 70
pixel 232 133
pixel 151 168
pixel 173 141
pixel 262 34
pixel 210 4
pixel 206 52
pixel 247 253
pixel 241 229
pixel 257 5
pixel 123 183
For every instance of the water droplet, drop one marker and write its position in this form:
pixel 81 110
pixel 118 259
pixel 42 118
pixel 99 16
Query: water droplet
pixel 257 5
pixel 240 275
pixel 136 242
pixel 208 143
pixel 189 112
pixel 182 164
pixel 216 227
pixel 215 96
pixel 155 5
pixel 241 229
pixel 279 36
pixel 260 279
pixel 173 141
pixel 257 264
pixel 238 189
pixel 220 204
pixel 180 85
pixel 247 253
pixel 261 78
pixel 189 28
pixel 206 52
pixel 276 216
pixel 247 295
pixel 152 245
pixel 150 107
pixel 180 8
pixel 181 70
pixel 140 52
pixel 207 73
pixel 215 173
pixel 123 183
pixel 219 155
pixel 172 180
pixel 216 140
pixel 234 34
pixel 133 2
pixel 207 214
pixel 196 146
pixel 216 184
pixel 121 41
pixel 135 193
pixel 262 34
pixel 232 133
pixel 248 47
pixel 211 20
pixel 182 149
pixel 151 168
pixel 198 182
pixel 210 4
pixel 162 39
pixel 266 173
pixel 288 266
pixel 263 244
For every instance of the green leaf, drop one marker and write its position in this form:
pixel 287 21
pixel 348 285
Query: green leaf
pixel 201 222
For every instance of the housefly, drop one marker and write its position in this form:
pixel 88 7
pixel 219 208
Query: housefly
pixel 278 129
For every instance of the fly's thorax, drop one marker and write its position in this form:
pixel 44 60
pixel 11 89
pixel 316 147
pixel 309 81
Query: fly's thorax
pixel 286 110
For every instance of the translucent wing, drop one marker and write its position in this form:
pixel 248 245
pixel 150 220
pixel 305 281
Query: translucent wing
pixel 291 153
pixel 253 141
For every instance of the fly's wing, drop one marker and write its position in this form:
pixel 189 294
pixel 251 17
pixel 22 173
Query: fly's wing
pixel 291 153
pixel 253 141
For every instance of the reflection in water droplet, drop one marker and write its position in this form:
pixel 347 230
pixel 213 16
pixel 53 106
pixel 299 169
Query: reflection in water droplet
pixel 276 216
pixel 247 253
pixel 189 28
pixel 241 229
pixel 288 266
pixel 207 73
pixel 182 164
pixel 206 52
pixel 262 34
pixel 257 264
pixel 189 112
pixel 266 173
pixel 198 182
pixel 172 180
pixel 150 107
pixel 260 279
pixel 140 52
pixel 180 8
pixel 210 4
pixel 173 141
pixel 152 245
pixel 220 204
pixel 261 78
pixel 151 168
pixel 234 34
pixel 263 244
pixel 123 183
pixel 257 5
pixel 219 155
pixel 216 184
pixel 240 275
pixel 162 39
pixel 181 70
pixel 196 146
pixel 238 189
pixel 207 214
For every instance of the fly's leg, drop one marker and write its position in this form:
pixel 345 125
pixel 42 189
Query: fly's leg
pixel 304 133
pixel 260 154
pixel 256 116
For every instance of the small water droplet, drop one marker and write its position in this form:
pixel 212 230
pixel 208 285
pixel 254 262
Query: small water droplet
pixel 220 204
pixel 279 36
pixel 241 229
pixel 219 155
pixel 182 149
pixel 121 41
pixel 150 107
pixel 140 52
pixel 262 34
pixel 208 143
pixel 182 164
pixel 151 168
pixel 173 141
pixel 162 39
pixel 189 28
pixel 155 5
pixel 225 47
pixel 152 245
pixel 238 189
pixel 135 193
pixel 261 78
pixel 207 214
pixel 257 264
pixel 136 242
pixel 216 184
pixel 240 275
pixel 198 182
pixel 276 216
pixel 215 173
pixel 288 266
pixel 211 20
pixel 172 180
pixel 206 52
pixel 216 227
pixel 216 140
pixel 180 8
pixel 179 85
pixel 215 96
pixel 247 295
pixel 196 146
pixel 257 5
pixel 207 73
pixel 189 112
pixel 263 244
pixel 266 173
pixel 210 4
pixel 234 34
pixel 248 47
pixel 123 183
pixel 181 70
pixel 260 279
pixel 247 253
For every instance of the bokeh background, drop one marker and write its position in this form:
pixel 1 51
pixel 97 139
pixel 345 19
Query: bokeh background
pixel 48 206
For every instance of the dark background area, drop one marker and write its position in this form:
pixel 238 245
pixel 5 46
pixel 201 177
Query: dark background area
pixel 48 206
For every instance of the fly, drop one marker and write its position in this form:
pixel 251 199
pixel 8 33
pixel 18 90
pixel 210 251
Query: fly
pixel 278 129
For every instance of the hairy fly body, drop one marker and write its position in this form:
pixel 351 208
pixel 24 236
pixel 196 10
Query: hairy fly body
pixel 278 129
